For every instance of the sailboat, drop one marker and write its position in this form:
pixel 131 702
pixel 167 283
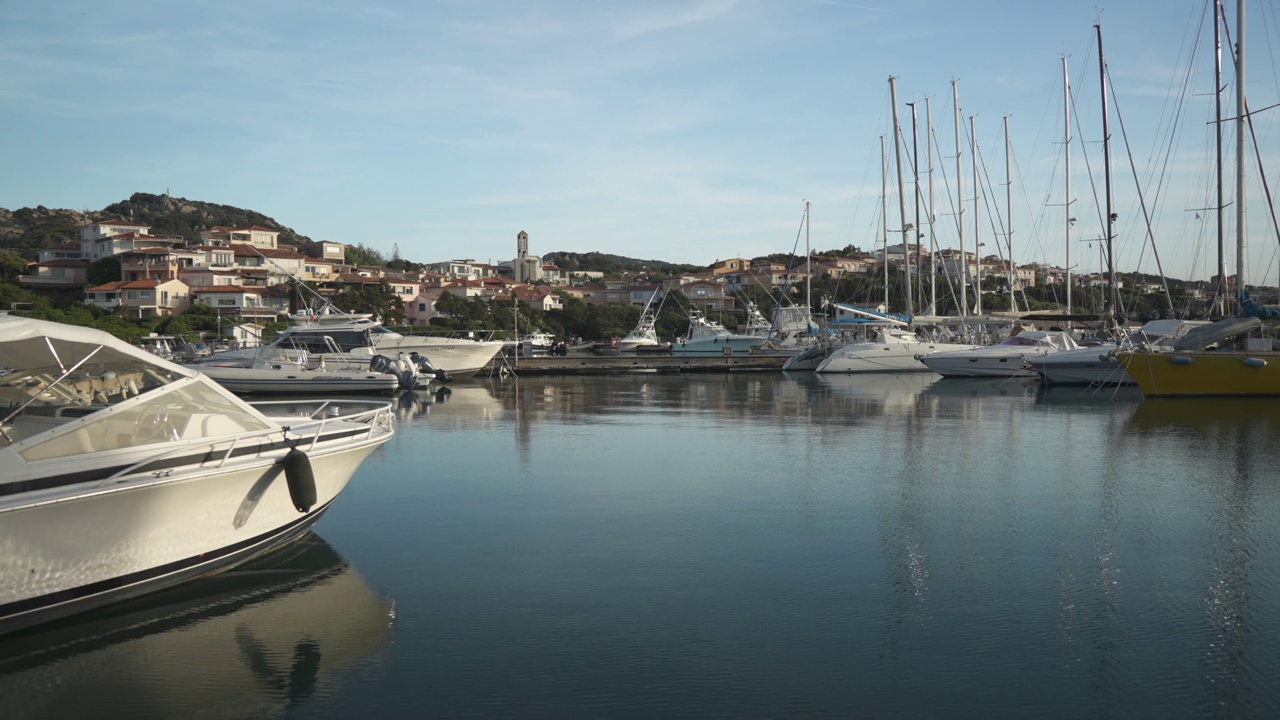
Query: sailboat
pixel 1245 363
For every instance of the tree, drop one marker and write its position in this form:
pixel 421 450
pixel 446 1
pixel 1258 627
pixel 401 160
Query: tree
pixel 11 265
pixel 361 254
pixel 102 271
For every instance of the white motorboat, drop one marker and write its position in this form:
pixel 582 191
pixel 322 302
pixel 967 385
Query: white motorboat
pixel 1097 364
pixel 538 342
pixel 121 472
pixel 1006 359
pixel 707 337
pixel 266 374
pixel 354 338
pixel 645 333
pixel 893 350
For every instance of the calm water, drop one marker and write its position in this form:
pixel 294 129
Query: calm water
pixel 737 545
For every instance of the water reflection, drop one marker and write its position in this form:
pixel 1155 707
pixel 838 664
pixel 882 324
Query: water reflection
pixel 257 640
pixel 993 542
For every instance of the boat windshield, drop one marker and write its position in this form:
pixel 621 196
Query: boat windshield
pixel 164 412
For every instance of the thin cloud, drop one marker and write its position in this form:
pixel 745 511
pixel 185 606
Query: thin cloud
pixel 855 7
pixel 708 10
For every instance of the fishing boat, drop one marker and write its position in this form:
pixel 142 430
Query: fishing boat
pixel 122 473
pixel 708 337
pixel 645 333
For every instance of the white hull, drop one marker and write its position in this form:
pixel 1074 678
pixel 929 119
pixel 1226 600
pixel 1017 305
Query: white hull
pixel 627 345
pixel 739 345
pixel 1008 359
pixel 879 357
pixel 979 366
pixel 461 359
pixel 299 382
pixel 68 549
pixel 1086 366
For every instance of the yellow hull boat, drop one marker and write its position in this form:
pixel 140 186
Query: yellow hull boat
pixel 1204 374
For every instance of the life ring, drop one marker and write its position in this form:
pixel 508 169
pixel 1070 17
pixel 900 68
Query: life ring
pixel 616 342
pixel 769 345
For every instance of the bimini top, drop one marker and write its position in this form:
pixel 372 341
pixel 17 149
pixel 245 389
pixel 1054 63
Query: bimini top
pixel 28 345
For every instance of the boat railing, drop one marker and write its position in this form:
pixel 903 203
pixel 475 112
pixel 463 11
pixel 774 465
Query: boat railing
pixel 377 415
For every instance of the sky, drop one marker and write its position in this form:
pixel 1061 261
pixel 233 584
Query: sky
pixel 685 131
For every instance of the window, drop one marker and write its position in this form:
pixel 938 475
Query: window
pixel 133 295
pixel 146 294
pixel 226 302
pixel 164 297
pixel 58 272
pixel 422 307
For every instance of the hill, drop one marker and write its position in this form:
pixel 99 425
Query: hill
pixel 28 230
pixel 614 264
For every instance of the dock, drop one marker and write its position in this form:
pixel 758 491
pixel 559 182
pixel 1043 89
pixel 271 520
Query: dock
pixel 585 364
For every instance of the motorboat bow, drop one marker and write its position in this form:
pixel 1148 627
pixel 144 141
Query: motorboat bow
pixel 121 472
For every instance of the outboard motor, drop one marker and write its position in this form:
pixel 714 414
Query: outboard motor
pixel 425 367
pixel 402 370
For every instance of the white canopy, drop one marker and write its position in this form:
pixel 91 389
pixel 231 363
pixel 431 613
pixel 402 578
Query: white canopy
pixel 27 344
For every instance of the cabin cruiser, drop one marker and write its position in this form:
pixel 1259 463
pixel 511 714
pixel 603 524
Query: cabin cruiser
pixel 1006 359
pixel 708 337
pixel 358 337
pixel 1097 364
pixel 121 472
pixel 892 350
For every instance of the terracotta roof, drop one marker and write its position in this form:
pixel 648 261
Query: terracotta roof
pixel 244 250
pixel 64 262
pixel 225 289
pixel 125 285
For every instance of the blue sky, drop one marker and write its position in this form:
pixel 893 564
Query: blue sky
pixel 682 131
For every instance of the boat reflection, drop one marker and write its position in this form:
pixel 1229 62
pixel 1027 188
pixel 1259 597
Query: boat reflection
pixel 1252 418
pixel 257 640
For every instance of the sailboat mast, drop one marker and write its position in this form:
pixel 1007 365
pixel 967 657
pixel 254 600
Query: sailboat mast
pixel 915 177
pixel 1066 151
pixel 1008 206
pixel 964 254
pixel 884 217
pixel 808 269
pixel 933 246
pixel 902 204
pixel 1106 164
pixel 1220 290
pixel 977 211
pixel 1241 115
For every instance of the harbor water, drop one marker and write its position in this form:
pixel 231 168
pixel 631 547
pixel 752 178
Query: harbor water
pixel 735 545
